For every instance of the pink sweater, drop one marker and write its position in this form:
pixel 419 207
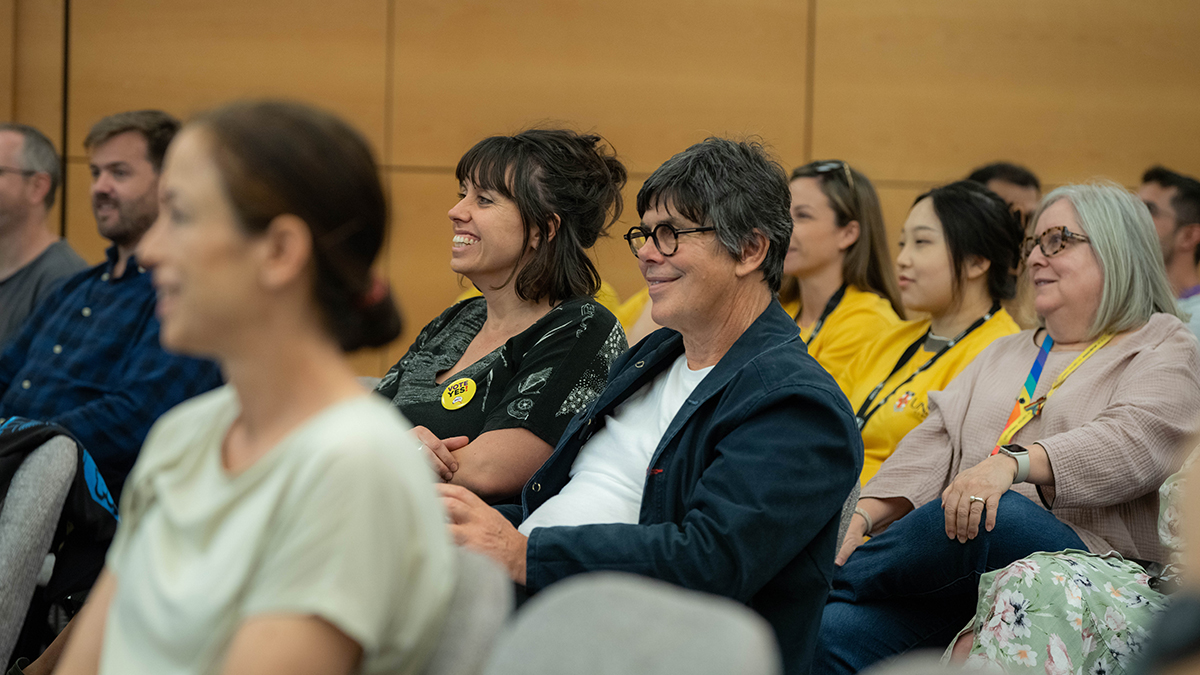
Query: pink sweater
pixel 1114 431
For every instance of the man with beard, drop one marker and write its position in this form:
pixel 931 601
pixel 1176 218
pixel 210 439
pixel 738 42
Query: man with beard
pixel 32 260
pixel 88 358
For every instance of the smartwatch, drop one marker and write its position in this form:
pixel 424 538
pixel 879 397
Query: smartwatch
pixel 1022 456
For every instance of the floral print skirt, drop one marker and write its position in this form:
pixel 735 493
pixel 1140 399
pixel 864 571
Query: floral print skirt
pixel 1070 612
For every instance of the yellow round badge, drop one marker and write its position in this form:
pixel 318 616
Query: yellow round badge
pixel 458 393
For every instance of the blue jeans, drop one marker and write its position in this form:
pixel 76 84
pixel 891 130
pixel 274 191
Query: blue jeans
pixel 913 587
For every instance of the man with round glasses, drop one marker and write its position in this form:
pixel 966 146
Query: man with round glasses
pixel 720 455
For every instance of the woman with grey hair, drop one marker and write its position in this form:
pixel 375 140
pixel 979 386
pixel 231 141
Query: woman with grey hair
pixel 1054 438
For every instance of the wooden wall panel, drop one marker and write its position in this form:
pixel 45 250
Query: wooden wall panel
pixel 652 77
pixel 185 57
pixel 926 89
pixel 37 78
pixel 611 254
pixel 37 74
pixel 8 56
pixel 82 234
pixel 419 251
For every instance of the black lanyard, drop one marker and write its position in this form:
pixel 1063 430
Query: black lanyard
pixel 864 414
pixel 829 307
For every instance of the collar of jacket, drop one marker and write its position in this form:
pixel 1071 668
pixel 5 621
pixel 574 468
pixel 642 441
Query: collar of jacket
pixel 659 350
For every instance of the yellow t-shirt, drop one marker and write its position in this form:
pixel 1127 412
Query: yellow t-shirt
pixel 856 322
pixel 908 406
pixel 606 296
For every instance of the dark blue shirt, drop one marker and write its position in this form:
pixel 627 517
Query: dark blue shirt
pixel 88 358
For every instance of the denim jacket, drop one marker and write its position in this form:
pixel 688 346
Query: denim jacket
pixel 743 494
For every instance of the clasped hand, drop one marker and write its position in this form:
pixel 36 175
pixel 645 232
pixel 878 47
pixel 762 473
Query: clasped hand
pixel 441 451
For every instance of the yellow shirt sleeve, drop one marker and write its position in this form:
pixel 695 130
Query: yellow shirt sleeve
pixel 629 311
pixel 608 298
pixel 902 409
pixel 857 321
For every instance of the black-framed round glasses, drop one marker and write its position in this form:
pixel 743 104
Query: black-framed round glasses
pixel 1052 241
pixel 666 237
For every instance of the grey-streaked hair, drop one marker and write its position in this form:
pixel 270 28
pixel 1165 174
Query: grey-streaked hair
pixel 733 186
pixel 38 154
pixel 1123 238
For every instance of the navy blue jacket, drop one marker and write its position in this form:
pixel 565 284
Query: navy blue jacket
pixel 744 492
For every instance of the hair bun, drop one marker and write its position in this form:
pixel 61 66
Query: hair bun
pixel 374 323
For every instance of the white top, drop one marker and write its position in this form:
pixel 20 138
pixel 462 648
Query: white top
pixel 609 474
pixel 339 520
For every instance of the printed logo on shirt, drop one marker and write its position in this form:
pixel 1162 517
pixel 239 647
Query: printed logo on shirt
pixel 458 393
pixel 904 400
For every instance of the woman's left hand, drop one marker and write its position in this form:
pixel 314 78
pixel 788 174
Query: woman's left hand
pixel 964 500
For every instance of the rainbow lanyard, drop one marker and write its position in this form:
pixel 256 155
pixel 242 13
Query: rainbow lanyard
pixel 1025 408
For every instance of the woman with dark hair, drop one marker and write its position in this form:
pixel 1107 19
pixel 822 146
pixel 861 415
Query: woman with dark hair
pixel 494 380
pixel 840 286
pixel 250 525
pixel 957 252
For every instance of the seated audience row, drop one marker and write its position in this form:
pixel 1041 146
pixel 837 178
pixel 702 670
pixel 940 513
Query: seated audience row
pixel 716 454
pixel 1069 456
pixel 720 454
pixel 284 522
pixel 87 361
pixel 89 357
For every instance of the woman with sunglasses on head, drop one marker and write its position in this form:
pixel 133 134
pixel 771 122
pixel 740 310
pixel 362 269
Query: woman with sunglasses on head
pixel 284 523
pixel 957 250
pixel 840 286
pixel 492 383
pixel 1054 438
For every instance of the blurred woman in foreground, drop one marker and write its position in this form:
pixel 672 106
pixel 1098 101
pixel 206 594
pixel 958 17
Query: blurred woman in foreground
pixel 251 526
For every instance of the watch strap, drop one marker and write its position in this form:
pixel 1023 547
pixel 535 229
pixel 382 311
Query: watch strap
pixel 1022 456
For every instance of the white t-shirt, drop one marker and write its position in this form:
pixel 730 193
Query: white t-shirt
pixel 609 474
pixel 339 520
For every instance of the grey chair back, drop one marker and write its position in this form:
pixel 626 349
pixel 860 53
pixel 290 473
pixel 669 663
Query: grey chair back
pixel 609 623
pixel 28 517
pixel 848 513
pixel 481 603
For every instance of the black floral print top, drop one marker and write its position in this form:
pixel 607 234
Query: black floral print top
pixel 537 380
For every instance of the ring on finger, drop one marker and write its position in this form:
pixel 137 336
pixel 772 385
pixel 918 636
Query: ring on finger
pixel 974 499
